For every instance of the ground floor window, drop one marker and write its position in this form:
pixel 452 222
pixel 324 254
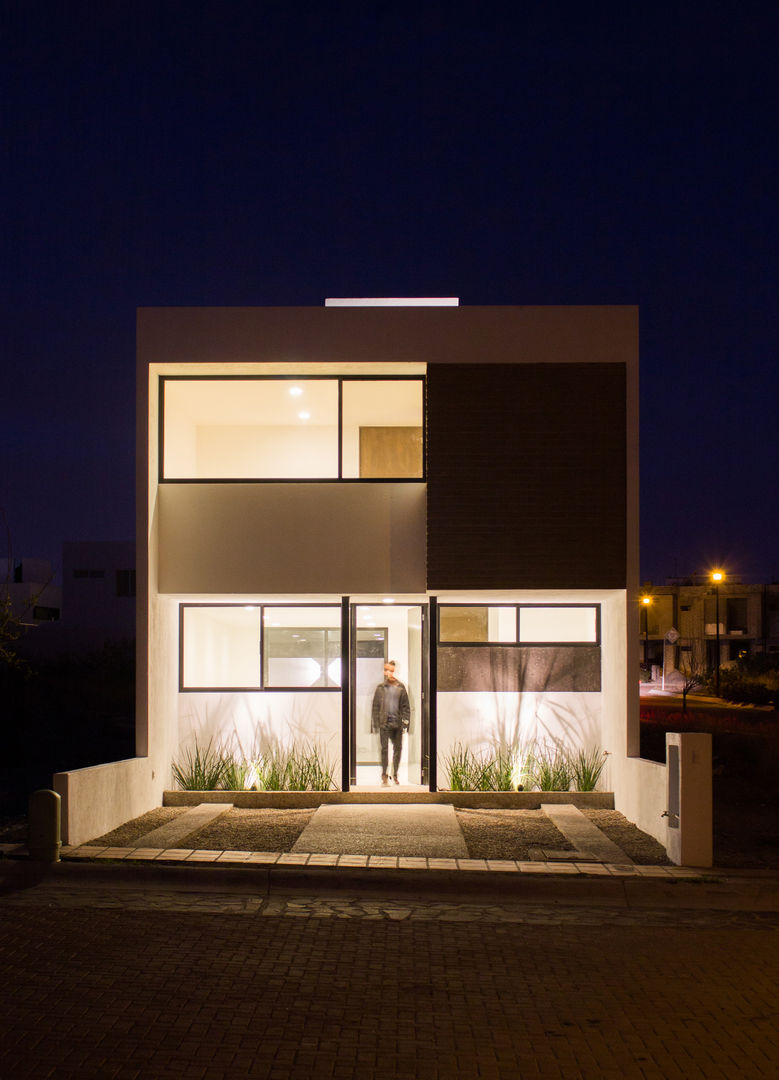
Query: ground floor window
pixel 259 647
pixel 478 675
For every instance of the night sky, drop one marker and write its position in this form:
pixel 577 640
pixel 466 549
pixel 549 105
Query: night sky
pixel 275 154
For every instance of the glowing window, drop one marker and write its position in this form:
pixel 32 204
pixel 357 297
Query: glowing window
pixel 220 648
pixel 382 428
pixel 289 428
pixel 302 647
pixel 477 624
pixel 553 624
pixel 257 647
pixel 250 429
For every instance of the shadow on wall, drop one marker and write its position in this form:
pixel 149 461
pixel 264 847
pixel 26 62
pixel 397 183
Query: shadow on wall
pixel 501 721
pixel 249 726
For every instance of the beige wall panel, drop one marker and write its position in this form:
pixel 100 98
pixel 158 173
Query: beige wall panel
pixel 292 538
pixel 497 335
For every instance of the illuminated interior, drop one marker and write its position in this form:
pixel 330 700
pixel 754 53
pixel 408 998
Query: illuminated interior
pixel 224 648
pixel 277 429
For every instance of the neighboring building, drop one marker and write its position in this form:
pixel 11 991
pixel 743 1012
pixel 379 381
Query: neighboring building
pixel 98 592
pixel 682 623
pixel 95 605
pixel 35 598
pixel 321 489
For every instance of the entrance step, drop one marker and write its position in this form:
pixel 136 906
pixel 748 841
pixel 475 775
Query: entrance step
pixel 427 829
pixel 172 834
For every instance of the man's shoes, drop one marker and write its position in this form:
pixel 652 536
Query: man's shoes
pixel 385 780
pixel 396 779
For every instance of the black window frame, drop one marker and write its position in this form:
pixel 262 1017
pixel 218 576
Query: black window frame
pixel 519 644
pixel 261 688
pixel 299 377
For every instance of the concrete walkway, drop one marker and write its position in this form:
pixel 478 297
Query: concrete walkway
pixel 409 829
pixel 587 839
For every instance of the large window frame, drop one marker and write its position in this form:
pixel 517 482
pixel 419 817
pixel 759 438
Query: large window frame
pixel 262 659
pixel 517 643
pixel 340 380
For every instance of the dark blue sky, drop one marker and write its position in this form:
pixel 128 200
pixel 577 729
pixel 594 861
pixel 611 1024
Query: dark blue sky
pixel 265 153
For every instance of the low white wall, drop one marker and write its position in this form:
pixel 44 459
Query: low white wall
pixel 98 799
pixel 640 793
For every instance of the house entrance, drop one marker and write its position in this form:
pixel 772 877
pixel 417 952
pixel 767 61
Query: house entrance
pixel 384 632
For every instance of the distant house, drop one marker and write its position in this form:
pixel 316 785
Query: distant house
pixel 320 489
pixel 98 592
pixel 33 595
pixel 683 619
pixel 94 605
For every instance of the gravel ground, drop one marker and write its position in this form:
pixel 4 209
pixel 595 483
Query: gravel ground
pixel 489 834
pixel 640 846
pixel 237 830
pixel 508 834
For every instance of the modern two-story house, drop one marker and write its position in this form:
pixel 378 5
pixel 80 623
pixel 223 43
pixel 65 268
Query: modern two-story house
pixel 322 489
pixel 448 487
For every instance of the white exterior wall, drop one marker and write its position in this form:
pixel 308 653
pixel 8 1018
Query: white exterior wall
pixel 250 724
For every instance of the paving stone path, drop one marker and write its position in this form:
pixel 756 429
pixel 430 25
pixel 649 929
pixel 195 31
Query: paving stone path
pixel 360 990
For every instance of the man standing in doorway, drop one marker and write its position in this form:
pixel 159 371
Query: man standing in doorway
pixel 390 716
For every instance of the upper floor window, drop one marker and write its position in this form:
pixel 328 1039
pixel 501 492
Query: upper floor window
pixel 286 428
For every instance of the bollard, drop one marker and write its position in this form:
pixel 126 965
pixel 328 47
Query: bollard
pixel 44 826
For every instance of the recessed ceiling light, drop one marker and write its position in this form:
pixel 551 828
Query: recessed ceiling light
pixel 304 416
pixel 388 600
pixel 295 391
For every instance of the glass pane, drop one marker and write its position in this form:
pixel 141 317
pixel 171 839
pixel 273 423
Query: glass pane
pixel 475 624
pixel 221 647
pixel 553 624
pixel 394 631
pixel 302 647
pixel 245 429
pixel 382 428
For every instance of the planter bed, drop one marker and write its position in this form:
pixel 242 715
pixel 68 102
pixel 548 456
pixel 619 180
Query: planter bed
pixel 474 800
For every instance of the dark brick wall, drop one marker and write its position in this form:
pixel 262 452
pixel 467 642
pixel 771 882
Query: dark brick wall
pixel 526 476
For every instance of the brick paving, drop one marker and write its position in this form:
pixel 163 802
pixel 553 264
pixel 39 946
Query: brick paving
pixel 576 864
pixel 148 981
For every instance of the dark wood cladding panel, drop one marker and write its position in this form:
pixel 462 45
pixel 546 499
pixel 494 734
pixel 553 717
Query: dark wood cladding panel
pixel 526 476
pixel 508 669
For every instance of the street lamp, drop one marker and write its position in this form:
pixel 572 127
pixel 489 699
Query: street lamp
pixel 717 576
pixel 646 601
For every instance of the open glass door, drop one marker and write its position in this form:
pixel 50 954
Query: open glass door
pixel 382 632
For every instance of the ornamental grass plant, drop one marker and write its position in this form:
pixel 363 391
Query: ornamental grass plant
pixel 293 768
pixel 203 769
pixel 542 766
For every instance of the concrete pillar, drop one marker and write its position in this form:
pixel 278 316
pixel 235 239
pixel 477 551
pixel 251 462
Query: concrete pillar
pixel 689 806
pixel 44 826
